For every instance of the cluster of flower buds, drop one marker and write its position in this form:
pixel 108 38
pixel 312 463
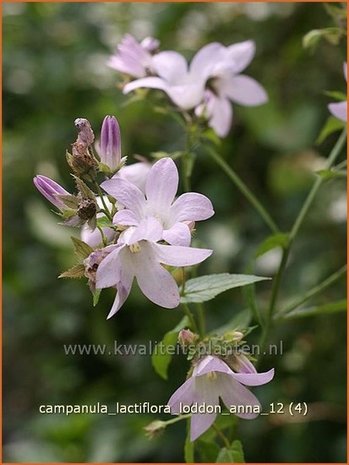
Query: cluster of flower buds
pixel 206 86
pixel 133 226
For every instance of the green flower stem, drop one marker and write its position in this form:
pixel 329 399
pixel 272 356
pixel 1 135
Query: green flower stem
pixel 313 292
pixel 222 436
pixel 294 231
pixel 176 419
pixel 317 184
pixel 101 195
pixel 201 319
pixel 243 189
pixel 191 318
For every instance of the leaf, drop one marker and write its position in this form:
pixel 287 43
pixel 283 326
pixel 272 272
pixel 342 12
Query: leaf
pixel 333 307
pixel 207 287
pixel 96 294
pixel 76 272
pixel 211 136
pixel 69 200
pixel 161 358
pixel 238 322
pixel 82 250
pixel 188 447
pixel 84 189
pixel 332 125
pixel 225 456
pixel 208 451
pixel 331 173
pixel 233 454
pixel 271 242
pixel 336 95
pixel 331 34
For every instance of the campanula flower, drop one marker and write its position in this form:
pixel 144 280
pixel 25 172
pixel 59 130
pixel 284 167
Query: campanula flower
pixel 213 379
pixel 137 255
pixel 136 173
pixel 109 147
pixel 158 201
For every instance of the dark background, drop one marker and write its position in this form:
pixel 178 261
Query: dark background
pixel 54 71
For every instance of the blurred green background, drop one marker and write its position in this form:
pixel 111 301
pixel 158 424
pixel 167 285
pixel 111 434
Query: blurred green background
pixel 54 70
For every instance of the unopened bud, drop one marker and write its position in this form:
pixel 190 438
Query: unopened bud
pixel 150 44
pixel 187 337
pixel 110 143
pixel 51 190
pixel 154 428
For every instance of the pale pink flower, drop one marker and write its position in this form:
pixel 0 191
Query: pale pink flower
pixel 158 201
pixel 136 173
pixel 213 379
pixel 137 255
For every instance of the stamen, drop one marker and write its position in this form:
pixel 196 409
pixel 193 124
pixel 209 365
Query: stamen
pixel 134 248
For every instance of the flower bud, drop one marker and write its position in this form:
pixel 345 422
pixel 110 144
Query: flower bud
pixel 51 190
pixel 233 336
pixel 187 337
pixel 110 143
pixel 154 428
pixel 150 44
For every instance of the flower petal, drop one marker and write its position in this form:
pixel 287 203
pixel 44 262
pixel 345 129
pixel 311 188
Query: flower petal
pixel 108 272
pixel 93 237
pixel 179 234
pixel 154 281
pixel 161 185
pixel 147 82
pixel 204 60
pixel 171 66
pixel 234 393
pixel 136 173
pixel 211 364
pixel 175 255
pixel 241 54
pixel 243 90
pixel 339 110
pixel 126 193
pixel 184 395
pixel 221 116
pixel 254 379
pixel 191 207
pixel 199 423
pixel 148 229
pixel 123 290
pixel 125 218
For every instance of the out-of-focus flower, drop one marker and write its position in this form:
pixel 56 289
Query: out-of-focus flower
pixel 185 86
pixel 159 202
pixel 213 379
pixel 340 109
pixel 109 147
pixel 134 58
pixel 93 237
pixel 137 255
pixel 222 66
pixel 51 190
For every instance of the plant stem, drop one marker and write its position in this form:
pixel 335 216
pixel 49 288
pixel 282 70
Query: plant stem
pixel 309 200
pixel 313 291
pixel 191 318
pixel 179 418
pixel 201 319
pixel 222 436
pixel 294 231
pixel 243 189
pixel 101 195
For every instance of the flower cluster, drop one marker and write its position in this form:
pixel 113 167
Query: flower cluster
pixel 206 86
pixel 133 226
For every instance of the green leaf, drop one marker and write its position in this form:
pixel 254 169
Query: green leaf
pixel 239 322
pixel 332 125
pixel 331 173
pixel 271 242
pixel 188 447
pixel 225 456
pixel 333 307
pixel 161 357
pixel 233 454
pixel 331 34
pixel 336 95
pixel 104 222
pixel 69 200
pixel 82 250
pixel 76 272
pixel 207 287
pixel 207 451
pixel 84 189
pixel 96 295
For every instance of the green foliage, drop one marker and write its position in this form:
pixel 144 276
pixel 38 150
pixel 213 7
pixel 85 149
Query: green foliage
pixel 233 454
pixel 332 125
pixel 272 242
pixel 206 288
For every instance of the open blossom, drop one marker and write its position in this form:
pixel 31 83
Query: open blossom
pixel 109 147
pixel 51 190
pixel 213 379
pixel 175 216
pixel 134 58
pixel 184 85
pixel 225 84
pixel 340 109
pixel 136 173
pixel 138 256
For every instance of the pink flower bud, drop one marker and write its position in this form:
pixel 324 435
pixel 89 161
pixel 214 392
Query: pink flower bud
pixel 51 190
pixel 186 337
pixel 150 44
pixel 110 143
